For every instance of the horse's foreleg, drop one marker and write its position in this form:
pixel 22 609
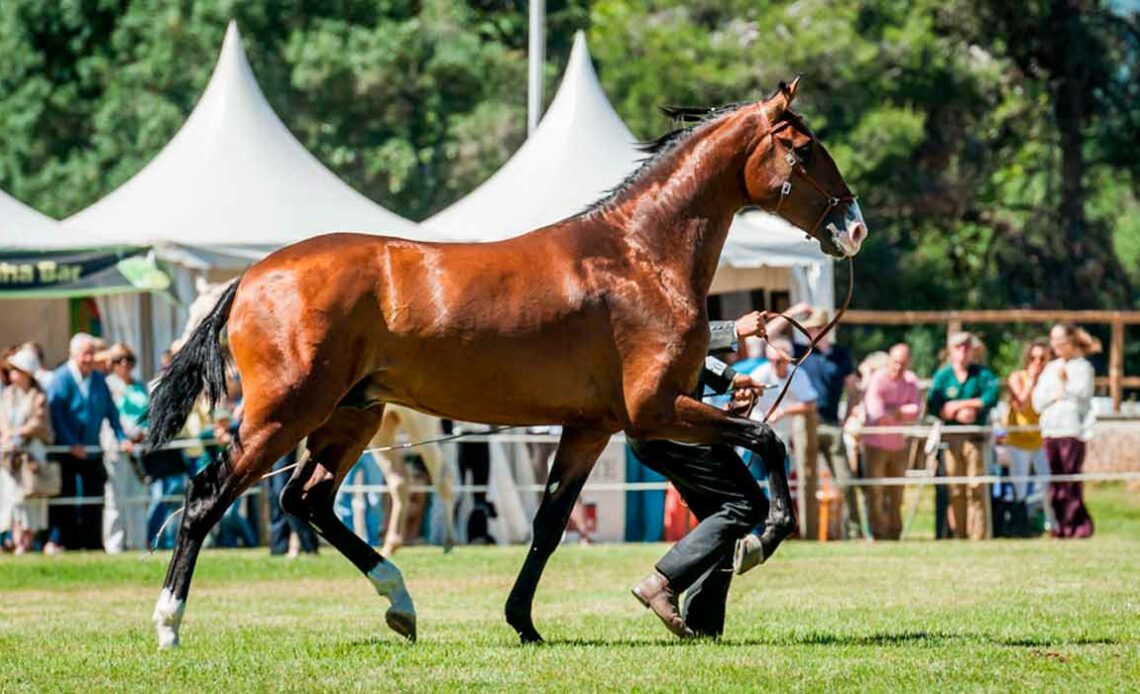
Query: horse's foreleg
pixel 578 451
pixel 333 449
pixel 691 421
pixel 208 495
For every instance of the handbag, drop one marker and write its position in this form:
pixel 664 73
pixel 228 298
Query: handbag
pixel 39 477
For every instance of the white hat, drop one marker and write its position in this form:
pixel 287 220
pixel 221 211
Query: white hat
pixel 25 360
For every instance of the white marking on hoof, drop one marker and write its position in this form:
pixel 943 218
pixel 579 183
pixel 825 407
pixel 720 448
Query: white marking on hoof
pixel 167 618
pixel 389 583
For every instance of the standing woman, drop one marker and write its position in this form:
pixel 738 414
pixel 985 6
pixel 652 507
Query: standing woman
pixel 23 419
pixel 124 508
pixel 1026 447
pixel 1063 396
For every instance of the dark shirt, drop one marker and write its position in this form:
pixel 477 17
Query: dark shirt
pixel 827 373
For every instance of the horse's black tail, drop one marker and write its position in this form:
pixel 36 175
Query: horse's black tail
pixel 200 364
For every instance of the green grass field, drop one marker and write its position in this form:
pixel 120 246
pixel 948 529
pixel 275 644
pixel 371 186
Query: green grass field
pixel 918 615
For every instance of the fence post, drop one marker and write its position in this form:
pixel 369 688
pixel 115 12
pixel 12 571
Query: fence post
pixel 1116 364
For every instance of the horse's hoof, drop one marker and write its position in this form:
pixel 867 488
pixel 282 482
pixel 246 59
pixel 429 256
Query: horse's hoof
pixel 524 627
pixel 749 554
pixel 402 623
pixel 167 638
pixel 389 583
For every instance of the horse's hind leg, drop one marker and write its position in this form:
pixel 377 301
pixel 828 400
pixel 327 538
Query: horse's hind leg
pixel 578 451
pixel 208 495
pixel 333 449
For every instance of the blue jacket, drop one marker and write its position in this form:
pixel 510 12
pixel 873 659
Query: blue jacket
pixel 76 420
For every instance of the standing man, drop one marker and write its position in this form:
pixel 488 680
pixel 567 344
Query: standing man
pixel 963 393
pixel 891 400
pixel 718 488
pixel 80 402
pixel 831 371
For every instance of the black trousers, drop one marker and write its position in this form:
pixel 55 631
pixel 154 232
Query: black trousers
pixel 719 489
pixel 79 527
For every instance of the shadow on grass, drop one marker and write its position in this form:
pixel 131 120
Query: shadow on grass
pixel 899 638
pixel 821 639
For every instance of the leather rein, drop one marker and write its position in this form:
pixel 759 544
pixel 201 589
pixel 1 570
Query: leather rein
pixel 813 341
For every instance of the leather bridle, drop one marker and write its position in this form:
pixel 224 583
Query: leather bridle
pixel 796 167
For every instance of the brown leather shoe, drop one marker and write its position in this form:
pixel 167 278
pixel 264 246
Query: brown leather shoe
pixel 654 592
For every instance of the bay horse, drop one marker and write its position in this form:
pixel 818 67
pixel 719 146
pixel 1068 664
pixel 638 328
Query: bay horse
pixel 597 323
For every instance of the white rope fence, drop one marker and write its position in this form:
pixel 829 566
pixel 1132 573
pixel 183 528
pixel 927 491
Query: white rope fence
pixel 913 478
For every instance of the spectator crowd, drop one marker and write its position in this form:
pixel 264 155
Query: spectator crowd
pixel 75 434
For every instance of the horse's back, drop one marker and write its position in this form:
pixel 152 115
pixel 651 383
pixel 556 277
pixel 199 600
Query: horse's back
pixel 460 330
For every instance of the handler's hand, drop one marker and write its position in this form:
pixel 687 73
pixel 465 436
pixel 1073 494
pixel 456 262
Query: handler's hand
pixel 752 324
pixel 78 451
pixel 744 393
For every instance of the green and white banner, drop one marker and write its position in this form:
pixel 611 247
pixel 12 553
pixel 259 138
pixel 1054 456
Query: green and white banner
pixel 87 272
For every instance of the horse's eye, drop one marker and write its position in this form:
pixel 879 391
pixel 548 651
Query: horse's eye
pixel 804 151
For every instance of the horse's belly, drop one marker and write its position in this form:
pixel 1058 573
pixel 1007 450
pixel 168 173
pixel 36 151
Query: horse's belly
pixel 507 382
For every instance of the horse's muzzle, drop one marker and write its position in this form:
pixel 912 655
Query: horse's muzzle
pixel 848 230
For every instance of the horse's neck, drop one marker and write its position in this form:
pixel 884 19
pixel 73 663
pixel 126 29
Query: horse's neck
pixel 677 215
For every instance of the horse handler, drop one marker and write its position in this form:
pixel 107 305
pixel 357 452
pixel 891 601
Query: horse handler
pixel 718 487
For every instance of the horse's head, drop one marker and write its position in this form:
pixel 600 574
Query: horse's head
pixel 790 173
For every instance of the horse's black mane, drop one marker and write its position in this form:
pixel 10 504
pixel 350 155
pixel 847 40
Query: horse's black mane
pixel 688 119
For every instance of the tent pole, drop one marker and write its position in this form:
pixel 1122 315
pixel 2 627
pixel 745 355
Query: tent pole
pixel 536 56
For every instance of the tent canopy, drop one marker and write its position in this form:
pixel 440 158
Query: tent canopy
pixel 22 228
pixel 580 150
pixel 234 175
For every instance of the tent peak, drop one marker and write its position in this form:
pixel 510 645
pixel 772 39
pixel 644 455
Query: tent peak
pixel 234 174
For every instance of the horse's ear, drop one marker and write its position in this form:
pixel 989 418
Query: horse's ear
pixel 790 90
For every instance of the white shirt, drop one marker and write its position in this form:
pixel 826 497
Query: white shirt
pixel 1065 406
pixel 84 383
pixel 800 391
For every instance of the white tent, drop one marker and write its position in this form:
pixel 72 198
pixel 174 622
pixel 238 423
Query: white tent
pixel 234 176
pixel 22 228
pixel 759 244
pixel 582 149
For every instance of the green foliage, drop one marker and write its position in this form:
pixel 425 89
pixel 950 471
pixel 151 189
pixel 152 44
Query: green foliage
pixel 984 186
pixel 412 103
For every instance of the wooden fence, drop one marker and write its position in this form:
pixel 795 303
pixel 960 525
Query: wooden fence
pixel 1117 381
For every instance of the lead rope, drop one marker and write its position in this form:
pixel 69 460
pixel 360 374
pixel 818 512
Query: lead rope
pixel 812 341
